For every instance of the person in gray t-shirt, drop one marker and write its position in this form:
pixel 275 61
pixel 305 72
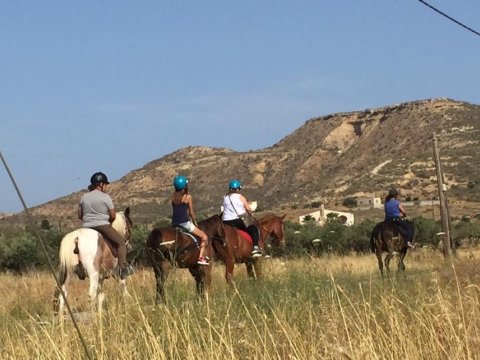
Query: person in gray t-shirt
pixel 97 212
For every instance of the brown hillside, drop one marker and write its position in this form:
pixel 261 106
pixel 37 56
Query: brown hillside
pixel 327 159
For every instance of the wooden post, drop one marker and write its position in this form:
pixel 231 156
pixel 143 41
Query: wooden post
pixel 441 198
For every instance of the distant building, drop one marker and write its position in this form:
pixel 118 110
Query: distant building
pixel 428 202
pixel 369 202
pixel 321 216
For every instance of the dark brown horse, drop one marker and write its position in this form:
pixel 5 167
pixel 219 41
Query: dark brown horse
pixel 170 246
pixel 237 246
pixel 387 238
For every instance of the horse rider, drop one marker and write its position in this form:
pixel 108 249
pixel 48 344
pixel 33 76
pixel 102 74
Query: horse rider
pixel 97 212
pixel 235 206
pixel 394 212
pixel 184 216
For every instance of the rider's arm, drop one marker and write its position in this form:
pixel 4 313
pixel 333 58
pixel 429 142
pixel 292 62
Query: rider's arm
pixel 245 203
pixel 112 215
pixel 80 213
pixel 191 213
pixel 402 210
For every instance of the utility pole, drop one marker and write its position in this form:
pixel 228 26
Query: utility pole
pixel 441 198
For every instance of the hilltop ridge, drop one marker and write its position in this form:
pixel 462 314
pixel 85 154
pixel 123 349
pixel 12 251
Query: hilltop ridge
pixel 327 159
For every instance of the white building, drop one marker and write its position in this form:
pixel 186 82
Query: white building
pixel 321 216
pixel 368 202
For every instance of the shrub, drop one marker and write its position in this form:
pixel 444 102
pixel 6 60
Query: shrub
pixel 349 202
pixel 19 253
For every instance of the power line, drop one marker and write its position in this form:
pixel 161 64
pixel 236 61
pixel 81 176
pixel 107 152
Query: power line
pixel 449 17
pixel 40 239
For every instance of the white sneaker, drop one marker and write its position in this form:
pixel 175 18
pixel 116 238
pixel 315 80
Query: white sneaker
pixel 256 252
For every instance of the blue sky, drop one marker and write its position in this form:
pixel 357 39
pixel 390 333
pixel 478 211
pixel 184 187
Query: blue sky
pixel 111 85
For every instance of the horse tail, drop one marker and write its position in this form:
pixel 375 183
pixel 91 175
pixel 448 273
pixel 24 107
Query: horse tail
pixel 68 256
pixel 67 259
pixel 372 240
pixel 376 234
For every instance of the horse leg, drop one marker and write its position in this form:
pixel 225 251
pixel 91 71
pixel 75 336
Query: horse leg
pixel 257 264
pixel 123 286
pixel 387 262
pixel 59 300
pixel 93 290
pixel 378 253
pixel 401 265
pixel 199 276
pixel 160 268
pixel 254 268
pixel 250 270
pixel 207 279
pixel 100 294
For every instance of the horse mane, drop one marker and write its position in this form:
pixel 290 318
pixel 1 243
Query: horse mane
pixel 120 223
pixel 210 219
pixel 269 216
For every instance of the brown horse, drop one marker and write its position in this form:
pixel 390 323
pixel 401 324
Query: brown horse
pixel 237 246
pixel 386 237
pixel 171 246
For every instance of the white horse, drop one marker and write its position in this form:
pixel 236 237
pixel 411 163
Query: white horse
pixel 85 253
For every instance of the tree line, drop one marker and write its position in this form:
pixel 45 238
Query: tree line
pixel 20 251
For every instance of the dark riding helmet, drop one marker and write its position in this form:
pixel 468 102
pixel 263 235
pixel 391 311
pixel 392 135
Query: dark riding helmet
pixel 99 178
pixel 393 192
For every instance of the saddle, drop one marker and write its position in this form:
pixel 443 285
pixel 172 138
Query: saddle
pixel 245 235
pixel 112 246
pixel 186 233
pixel 398 227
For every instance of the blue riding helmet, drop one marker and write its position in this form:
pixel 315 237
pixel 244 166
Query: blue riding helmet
pixel 180 182
pixel 234 184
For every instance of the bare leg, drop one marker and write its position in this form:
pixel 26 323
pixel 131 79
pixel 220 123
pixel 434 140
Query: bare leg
pixel 203 240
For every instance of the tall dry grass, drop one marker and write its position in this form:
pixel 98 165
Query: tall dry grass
pixel 320 308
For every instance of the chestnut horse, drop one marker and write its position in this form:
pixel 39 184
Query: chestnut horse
pixel 85 253
pixel 237 245
pixel 171 246
pixel 386 237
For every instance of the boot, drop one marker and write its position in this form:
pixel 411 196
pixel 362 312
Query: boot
pixel 125 271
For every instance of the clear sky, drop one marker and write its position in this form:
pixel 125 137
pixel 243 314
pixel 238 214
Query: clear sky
pixel 108 86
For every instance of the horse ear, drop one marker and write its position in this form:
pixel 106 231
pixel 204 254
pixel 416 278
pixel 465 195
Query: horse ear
pixel 127 211
pixel 283 216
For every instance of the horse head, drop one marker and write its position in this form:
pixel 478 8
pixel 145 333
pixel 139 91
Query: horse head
pixel 274 227
pixel 123 224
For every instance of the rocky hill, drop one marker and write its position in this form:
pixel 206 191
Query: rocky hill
pixel 326 160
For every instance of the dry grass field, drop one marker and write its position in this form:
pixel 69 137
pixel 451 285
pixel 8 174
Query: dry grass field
pixel 316 308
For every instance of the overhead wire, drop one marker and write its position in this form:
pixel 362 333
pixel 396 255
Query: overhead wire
pixel 449 17
pixel 40 240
